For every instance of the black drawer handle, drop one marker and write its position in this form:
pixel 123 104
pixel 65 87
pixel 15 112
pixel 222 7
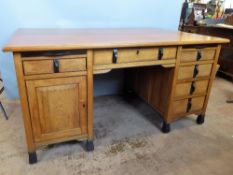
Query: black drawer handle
pixel 195 71
pixel 114 56
pixel 55 65
pixel 199 55
pixel 193 88
pixel 160 53
pixel 189 105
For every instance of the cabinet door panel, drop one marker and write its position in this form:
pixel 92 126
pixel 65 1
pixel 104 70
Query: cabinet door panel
pixel 58 107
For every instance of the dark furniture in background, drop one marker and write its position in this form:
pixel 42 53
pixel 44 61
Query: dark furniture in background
pixel 226 55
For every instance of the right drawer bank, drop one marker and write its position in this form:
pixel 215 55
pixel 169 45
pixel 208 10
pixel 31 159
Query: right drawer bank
pixel 195 68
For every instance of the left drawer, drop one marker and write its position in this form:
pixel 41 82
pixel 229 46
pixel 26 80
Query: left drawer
pixel 50 66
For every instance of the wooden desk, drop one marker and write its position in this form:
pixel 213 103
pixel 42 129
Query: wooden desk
pixel 55 70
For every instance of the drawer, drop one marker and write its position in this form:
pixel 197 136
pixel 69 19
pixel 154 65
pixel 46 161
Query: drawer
pixel 190 55
pixel 191 88
pixel 187 105
pixel 194 71
pixel 128 55
pixel 34 67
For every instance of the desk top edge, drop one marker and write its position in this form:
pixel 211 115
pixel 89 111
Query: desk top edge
pixel 27 40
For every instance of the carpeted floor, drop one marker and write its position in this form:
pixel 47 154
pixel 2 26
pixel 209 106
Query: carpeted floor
pixel 128 141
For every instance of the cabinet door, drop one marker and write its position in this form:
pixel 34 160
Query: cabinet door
pixel 57 107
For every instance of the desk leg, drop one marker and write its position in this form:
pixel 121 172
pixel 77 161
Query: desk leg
pixel 32 157
pixel 89 143
pixel 200 119
pixel 166 127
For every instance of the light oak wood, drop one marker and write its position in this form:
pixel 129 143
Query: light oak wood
pixel 180 106
pixel 183 89
pixel 41 144
pixel 90 94
pixel 38 67
pixel 56 75
pixel 168 65
pixel 149 84
pixel 135 64
pixel 171 93
pixel 190 55
pixel 47 67
pixel 186 72
pixel 196 62
pixel 105 57
pixel 52 56
pixel 24 103
pixel 57 107
pixel 143 54
pixel 72 65
pixel 25 40
pixel 160 89
pixel 213 73
pixel 102 71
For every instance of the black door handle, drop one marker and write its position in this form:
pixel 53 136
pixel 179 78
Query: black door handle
pixel 195 71
pixel 114 56
pixel 55 65
pixel 189 105
pixel 199 55
pixel 193 88
pixel 160 53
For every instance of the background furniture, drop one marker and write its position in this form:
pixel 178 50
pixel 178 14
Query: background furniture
pixel 55 69
pixel 1 106
pixel 226 55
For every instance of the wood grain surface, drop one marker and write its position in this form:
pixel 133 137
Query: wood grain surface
pixel 71 39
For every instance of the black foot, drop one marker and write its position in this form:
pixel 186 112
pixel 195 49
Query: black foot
pixel 4 112
pixel 166 127
pixel 200 119
pixel 90 145
pixel 32 158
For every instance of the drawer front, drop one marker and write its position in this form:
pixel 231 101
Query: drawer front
pixel 145 54
pixel 54 66
pixel 187 105
pixel 194 71
pixel 191 88
pixel 103 57
pixel 190 55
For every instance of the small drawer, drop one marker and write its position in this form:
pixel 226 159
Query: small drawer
pixel 194 71
pixel 35 67
pixel 191 55
pixel 187 105
pixel 191 88
pixel 111 56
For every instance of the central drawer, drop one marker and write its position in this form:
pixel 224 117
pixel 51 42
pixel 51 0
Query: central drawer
pixel 49 66
pixel 128 55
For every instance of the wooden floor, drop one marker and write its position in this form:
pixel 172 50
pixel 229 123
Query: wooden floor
pixel 128 141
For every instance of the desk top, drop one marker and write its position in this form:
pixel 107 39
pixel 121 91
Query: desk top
pixel 69 39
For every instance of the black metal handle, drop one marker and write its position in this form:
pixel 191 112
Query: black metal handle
pixel 189 105
pixel 199 55
pixel 193 88
pixel 114 56
pixel 195 71
pixel 55 65
pixel 160 53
